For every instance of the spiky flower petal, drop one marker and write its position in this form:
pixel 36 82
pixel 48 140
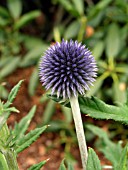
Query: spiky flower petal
pixel 68 68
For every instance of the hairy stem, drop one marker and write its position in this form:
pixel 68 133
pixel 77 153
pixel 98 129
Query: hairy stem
pixel 3 162
pixel 79 130
pixel 7 154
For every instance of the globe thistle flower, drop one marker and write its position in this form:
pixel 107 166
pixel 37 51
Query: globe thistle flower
pixel 68 69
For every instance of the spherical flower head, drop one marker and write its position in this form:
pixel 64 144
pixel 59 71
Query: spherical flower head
pixel 68 69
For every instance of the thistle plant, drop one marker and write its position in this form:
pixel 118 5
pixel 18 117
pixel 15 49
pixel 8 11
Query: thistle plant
pixel 13 141
pixel 68 69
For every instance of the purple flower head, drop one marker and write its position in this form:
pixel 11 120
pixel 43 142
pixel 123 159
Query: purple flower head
pixel 67 68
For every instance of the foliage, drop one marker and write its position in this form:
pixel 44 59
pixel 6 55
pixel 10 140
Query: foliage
pixel 15 51
pixel 96 108
pixel 16 140
pixel 102 26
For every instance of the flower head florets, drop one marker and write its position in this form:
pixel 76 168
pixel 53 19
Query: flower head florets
pixel 67 68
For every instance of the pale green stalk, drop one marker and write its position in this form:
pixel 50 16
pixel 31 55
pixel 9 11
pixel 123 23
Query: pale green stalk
pixel 79 130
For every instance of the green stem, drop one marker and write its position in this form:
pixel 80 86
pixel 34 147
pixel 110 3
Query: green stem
pixel 79 130
pixel 3 163
pixel 83 21
pixel 8 155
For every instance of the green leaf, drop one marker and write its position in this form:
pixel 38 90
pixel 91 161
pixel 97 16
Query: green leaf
pixel 33 56
pixel 113 41
pixel 97 131
pixel 28 139
pixel 4 12
pixel 47 114
pixel 15 8
pixel 96 108
pixel 5 60
pixel 102 4
pixel 43 98
pixel 69 7
pixel 10 67
pixel 70 167
pixel 79 5
pixel 3 119
pixel 37 166
pixel 67 113
pixel 93 162
pixel 3 92
pixel 21 127
pixel 32 42
pixel 72 30
pixel 13 94
pixel 62 166
pixel 127 98
pixel 57 34
pixel 123 161
pixel 112 151
pixel 11 109
pixel 98 84
pixel 98 49
pixel 26 18
pixel 33 82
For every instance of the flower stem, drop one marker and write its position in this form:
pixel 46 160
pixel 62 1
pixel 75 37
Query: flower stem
pixel 79 130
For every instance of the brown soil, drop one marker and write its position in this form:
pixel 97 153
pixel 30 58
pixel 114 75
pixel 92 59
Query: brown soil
pixel 48 146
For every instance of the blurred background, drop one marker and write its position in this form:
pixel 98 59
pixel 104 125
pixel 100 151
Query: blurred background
pixel 27 28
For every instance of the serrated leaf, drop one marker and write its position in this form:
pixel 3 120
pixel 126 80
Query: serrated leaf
pixel 112 151
pixel 3 118
pixel 13 94
pixel 15 8
pixel 28 139
pixel 93 162
pixel 10 67
pixel 96 108
pixel 123 161
pixel 21 127
pixel 72 30
pixel 33 82
pixel 37 166
pixel 26 18
pixel 113 41
pixel 62 166
pixel 12 109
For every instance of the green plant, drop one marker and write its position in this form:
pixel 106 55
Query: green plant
pixel 14 141
pixel 17 49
